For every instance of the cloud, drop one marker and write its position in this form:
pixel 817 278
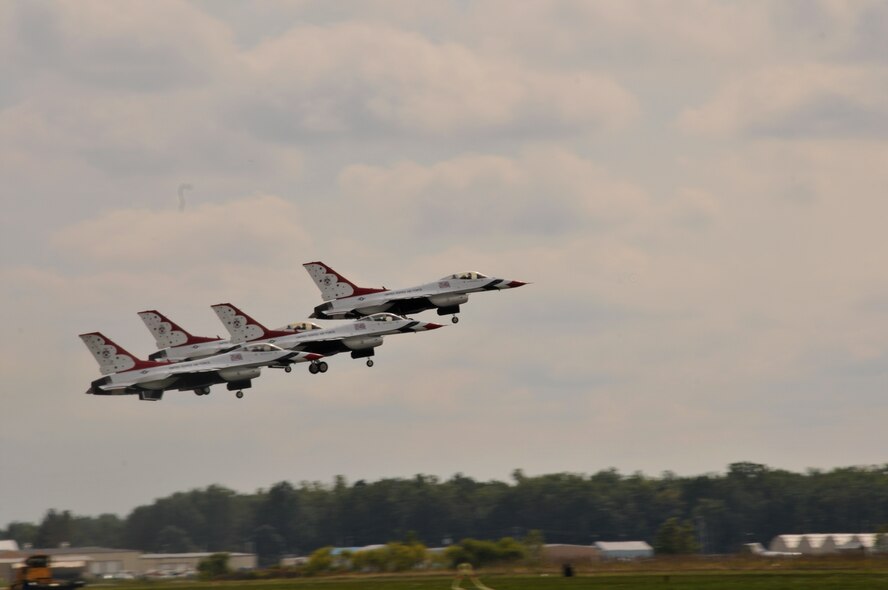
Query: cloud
pixel 811 100
pixel 148 47
pixel 263 228
pixel 542 192
pixel 359 78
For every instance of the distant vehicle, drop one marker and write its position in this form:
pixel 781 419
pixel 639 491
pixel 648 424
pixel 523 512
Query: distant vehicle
pixel 359 337
pixel 344 299
pixel 126 374
pixel 119 576
pixel 759 549
pixel 37 574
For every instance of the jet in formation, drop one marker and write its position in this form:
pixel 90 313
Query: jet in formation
pixel 124 373
pixel 186 362
pixel 359 337
pixel 344 299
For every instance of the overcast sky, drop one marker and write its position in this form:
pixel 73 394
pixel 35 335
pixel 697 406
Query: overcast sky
pixel 697 191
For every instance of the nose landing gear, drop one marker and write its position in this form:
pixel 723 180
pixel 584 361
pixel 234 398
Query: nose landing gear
pixel 369 362
pixel 455 319
pixel 239 394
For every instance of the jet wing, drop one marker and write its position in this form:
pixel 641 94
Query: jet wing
pixel 409 305
pixel 114 386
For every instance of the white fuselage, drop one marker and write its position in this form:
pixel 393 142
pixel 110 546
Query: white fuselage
pixel 231 366
pixel 353 335
pixel 192 351
pixel 441 293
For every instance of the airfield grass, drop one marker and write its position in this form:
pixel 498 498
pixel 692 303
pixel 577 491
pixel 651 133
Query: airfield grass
pixel 680 580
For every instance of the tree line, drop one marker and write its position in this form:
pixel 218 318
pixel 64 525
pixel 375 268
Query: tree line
pixel 749 502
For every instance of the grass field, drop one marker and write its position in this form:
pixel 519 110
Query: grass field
pixel 808 580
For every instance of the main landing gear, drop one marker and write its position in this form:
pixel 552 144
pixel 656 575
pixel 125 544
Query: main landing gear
pixel 202 391
pixel 317 367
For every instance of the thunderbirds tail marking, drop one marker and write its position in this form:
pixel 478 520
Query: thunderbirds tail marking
pixel 111 357
pixel 242 327
pixel 332 284
pixel 167 333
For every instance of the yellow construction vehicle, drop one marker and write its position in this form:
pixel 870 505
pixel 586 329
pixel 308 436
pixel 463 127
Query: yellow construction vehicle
pixel 37 574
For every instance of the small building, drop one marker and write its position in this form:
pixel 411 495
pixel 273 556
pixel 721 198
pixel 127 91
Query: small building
pixel 824 543
pixel 64 566
pixel 186 563
pixel 624 549
pixel 100 561
pixel 786 543
pixel 573 554
pixel 8 545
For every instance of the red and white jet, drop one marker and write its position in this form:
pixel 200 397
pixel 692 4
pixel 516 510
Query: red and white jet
pixel 344 299
pixel 126 374
pixel 359 337
pixel 175 343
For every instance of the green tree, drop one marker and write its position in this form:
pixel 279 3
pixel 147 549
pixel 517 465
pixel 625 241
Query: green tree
pixel 172 539
pixel 675 537
pixel 22 533
pixel 321 560
pixel 534 542
pixel 268 544
pixel 214 566
pixel 55 529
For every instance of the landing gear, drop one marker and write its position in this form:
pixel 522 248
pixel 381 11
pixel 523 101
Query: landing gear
pixel 318 367
pixel 202 391
pixel 287 369
pixel 454 319
pixel 239 394
pixel 369 362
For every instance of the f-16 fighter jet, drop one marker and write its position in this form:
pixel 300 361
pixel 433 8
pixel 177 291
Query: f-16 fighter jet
pixel 360 338
pixel 344 299
pixel 174 343
pixel 126 374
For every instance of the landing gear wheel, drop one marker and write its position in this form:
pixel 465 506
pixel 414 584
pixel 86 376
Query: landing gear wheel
pixel 323 366
pixel 239 394
pixel 454 319
pixel 369 362
pixel 287 369
pixel 313 368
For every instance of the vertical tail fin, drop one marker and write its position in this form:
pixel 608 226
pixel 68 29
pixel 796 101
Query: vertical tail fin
pixel 242 327
pixel 332 284
pixel 167 333
pixel 111 357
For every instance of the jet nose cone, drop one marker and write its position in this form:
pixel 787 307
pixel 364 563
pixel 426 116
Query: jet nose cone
pixel 431 326
pixel 513 284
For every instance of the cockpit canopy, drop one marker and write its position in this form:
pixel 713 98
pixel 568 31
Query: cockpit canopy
pixel 466 276
pixel 383 317
pixel 301 327
pixel 261 347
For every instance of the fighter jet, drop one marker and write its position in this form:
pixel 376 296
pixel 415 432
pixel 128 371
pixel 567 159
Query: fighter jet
pixel 126 374
pixel 174 343
pixel 344 299
pixel 360 338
